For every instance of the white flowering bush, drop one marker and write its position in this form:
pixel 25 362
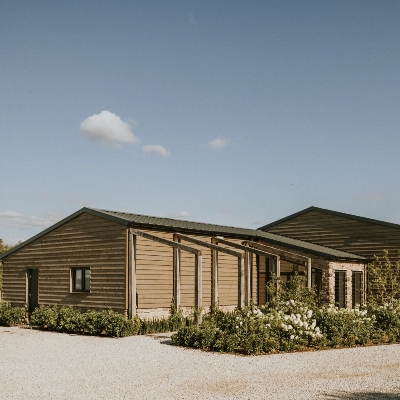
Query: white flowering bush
pixel 293 320
pixel 346 326
pixel 387 317
pixel 254 330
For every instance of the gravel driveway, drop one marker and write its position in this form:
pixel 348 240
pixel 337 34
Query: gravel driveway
pixel 45 365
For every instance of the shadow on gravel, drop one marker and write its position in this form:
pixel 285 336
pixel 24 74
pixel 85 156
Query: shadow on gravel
pixel 364 396
pixel 163 338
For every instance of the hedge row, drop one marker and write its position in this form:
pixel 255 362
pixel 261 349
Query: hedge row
pixel 102 323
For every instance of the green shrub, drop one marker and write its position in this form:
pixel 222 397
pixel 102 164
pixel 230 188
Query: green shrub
pixel 290 324
pixel 106 322
pixel 109 323
pixel 9 315
pixel 345 326
pixel 295 289
pixel 70 320
pixel 383 280
pixel 253 330
pixel 45 317
pixel 387 319
pixel 174 322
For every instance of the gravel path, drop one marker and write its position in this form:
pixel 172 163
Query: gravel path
pixel 45 365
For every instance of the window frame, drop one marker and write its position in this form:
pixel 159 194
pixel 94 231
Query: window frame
pixel 337 288
pixel 354 289
pixel 316 280
pixel 84 289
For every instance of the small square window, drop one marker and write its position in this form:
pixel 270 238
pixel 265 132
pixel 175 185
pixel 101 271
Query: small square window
pixel 81 279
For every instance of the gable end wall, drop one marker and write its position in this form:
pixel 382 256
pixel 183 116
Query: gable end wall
pixel 354 236
pixel 85 241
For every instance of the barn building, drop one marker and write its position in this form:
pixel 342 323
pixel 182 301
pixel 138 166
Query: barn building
pixel 364 236
pixel 136 264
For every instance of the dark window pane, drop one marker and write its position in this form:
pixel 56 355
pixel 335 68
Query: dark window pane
pixel 340 288
pixel 316 280
pixel 78 279
pixel 87 280
pixel 356 283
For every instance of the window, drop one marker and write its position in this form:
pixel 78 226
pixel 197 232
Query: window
pixel 356 282
pixel 316 280
pixel 81 279
pixel 340 289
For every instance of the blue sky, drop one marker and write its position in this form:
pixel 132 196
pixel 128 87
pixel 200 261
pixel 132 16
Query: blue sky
pixel 230 112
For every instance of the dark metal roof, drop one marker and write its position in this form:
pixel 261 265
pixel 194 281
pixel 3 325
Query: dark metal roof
pixel 145 221
pixel 336 213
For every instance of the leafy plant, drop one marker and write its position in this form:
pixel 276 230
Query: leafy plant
pixel 383 280
pixel 9 315
pixel 105 322
pixel 294 289
pixel 68 319
pixel 387 319
pixel 345 326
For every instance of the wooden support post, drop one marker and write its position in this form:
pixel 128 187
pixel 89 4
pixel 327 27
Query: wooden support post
pixel 241 283
pixel 365 283
pixel 132 275
pixel 198 287
pixel 177 275
pixel 247 259
pixel 251 275
pixel 278 266
pixel 309 273
pixel 214 279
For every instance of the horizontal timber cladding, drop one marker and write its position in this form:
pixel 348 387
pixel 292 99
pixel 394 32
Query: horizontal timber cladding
pixel 85 241
pixel 227 290
pixel 355 236
pixel 154 273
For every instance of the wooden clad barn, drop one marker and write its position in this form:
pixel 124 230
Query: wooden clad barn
pixel 365 236
pixel 135 264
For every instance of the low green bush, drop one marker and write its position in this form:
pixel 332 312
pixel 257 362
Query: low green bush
pixel 109 323
pixel 105 322
pixel 10 316
pixel 70 320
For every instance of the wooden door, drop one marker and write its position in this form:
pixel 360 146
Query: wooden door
pixel 33 289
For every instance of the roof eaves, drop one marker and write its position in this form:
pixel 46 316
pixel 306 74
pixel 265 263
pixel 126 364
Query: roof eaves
pixel 324 251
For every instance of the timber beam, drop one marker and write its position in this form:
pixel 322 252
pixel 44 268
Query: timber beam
pixel 166 242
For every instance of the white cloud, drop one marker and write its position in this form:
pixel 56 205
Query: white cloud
pixel 225 211
pixel 181 215
pixel 218 143
pixel 17 220
pixel 108 128
pixel 156 148
pixel 374 196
